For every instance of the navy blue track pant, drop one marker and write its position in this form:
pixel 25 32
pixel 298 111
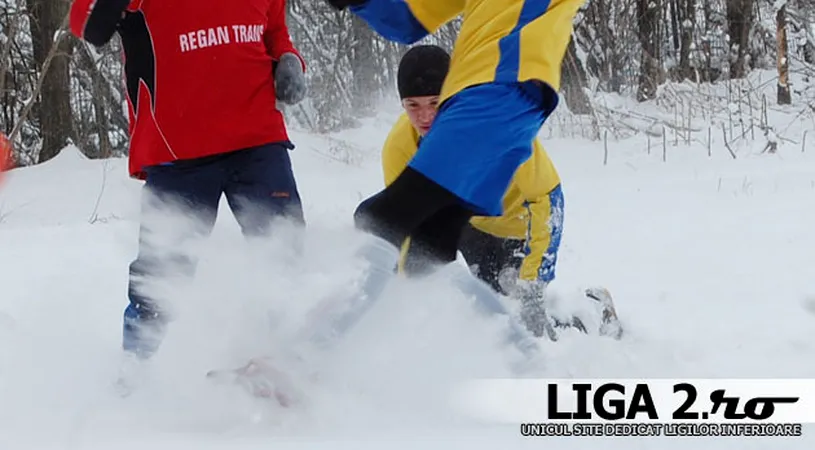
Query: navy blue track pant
pixel 180 205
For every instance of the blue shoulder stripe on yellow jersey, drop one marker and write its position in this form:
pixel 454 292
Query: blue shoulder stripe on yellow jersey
pixel 510 45
pixel 392 19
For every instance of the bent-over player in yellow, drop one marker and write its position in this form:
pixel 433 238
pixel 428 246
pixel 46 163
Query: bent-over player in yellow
pixel 516 252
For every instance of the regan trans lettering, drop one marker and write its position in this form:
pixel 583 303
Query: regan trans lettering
pixel 221 35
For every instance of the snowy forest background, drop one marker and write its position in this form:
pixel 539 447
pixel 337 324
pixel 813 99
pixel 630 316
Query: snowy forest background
pixel 701 66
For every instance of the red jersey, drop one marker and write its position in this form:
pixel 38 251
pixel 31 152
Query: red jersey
pixel 199 73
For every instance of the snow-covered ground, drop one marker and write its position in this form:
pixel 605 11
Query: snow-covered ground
pixel 710 260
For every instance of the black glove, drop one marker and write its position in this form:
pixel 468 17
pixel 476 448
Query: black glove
pixel 290 81
pixel 342 4
pixel 103 21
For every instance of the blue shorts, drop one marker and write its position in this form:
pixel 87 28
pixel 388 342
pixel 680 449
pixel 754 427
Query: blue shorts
pixel 479 138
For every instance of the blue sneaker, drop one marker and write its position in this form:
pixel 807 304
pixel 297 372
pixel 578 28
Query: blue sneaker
pixel 142 331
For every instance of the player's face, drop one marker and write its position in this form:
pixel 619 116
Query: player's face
pixel 421 111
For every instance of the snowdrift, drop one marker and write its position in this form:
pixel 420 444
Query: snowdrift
pixel 709 259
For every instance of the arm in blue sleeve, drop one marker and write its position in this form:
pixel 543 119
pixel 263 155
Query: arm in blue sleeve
pixel 392 19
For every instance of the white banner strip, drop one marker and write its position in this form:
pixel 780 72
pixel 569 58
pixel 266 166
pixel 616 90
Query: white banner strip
pixel 605 401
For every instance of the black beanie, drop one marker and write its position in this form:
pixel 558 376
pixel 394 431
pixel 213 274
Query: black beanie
pixel 422 71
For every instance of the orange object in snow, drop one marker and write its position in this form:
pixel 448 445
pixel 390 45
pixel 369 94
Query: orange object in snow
pixel 5 154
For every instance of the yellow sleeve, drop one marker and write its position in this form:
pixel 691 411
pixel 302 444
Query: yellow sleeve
pixel 432 14
pixel 538 238
pixel 400 146
pixel 537 179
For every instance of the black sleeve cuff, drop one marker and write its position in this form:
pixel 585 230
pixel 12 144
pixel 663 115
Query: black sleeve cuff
pixel 103 20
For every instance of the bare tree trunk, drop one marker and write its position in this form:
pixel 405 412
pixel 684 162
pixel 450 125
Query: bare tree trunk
pixel 688 19
pixel 573 77
pixel 647 28
pixel 707 47
pixel 55 114
pixel 364 65
pixel 808 18
pixel 11 25
pixel 596 37
pixel 676 20
pixel 393 54
pixel 784 96
pixel 740 21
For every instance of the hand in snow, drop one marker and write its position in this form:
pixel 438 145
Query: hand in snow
pixel 532 295
pixel 290 82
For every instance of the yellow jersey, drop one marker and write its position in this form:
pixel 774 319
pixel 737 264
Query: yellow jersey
pixel 500 40
pixel 526 201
